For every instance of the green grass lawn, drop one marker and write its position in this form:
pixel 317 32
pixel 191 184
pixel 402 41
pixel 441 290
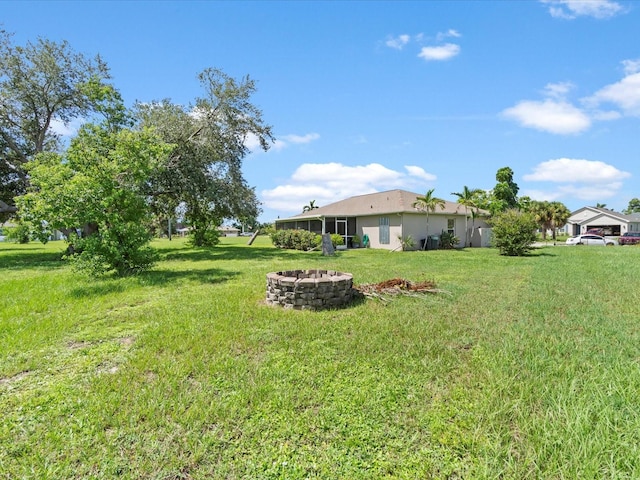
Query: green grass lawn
pixel 525 368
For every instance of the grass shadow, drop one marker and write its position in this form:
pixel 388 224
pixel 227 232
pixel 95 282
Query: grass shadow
pixel 152 278
pixel 210 276
pixel 99 287
pixel 540 252
pixel 226 252
pixel 19 257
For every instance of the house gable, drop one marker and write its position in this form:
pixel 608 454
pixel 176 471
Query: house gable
pixel 591 217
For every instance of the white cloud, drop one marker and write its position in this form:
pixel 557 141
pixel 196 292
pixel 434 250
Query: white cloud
pixel 328 182
pixel 541 195
pixel 605 115
pixel 589 193
pixel 439 53
pixel 558 90
pixel 559 116
pixel 338 175
pixel 570 9
pixel 69 129
pixel 451 33
pixel 398 42
pixel 301 139
pixel 253 144
pixel 585 192
pixel 419 172
pixel 576 178
pixel 443 52
pixel 631 66
pixel 292 198
pixel 432 52
pixel 625 94
pixel 570 170
pixel 551 116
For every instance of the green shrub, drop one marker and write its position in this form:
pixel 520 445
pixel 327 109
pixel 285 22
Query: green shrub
pixel 268 229
pixel 122 249
pixel 407 242
pixel 17 234
pixel 295 239
pixel 449 240
pixel 513 232
pixel 205 236
pixel 336 240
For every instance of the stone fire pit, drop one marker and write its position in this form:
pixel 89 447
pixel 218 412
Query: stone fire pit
pixel 309 289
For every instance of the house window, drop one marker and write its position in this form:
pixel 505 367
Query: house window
pixel 384 236
pixel 451 226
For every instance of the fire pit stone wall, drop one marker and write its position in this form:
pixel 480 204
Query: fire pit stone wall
pixel 309 289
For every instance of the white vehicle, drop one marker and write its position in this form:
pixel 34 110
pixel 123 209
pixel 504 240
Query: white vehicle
pixel 589 240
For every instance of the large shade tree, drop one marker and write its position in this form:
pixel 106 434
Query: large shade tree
pixel 428 204
pixel 95 193
pixel 42 83
pixel 505 193
pixel 204 174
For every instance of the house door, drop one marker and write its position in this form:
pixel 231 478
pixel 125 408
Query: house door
pixel 341 229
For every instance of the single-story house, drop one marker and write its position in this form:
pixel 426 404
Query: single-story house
pixel 386 218
pixel 613 223
pixel 227 231
pixel 224 231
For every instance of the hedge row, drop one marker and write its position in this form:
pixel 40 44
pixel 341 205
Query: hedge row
pixel 296 239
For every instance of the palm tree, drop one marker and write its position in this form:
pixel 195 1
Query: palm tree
pixel 428 204
pixel 467 199
pixel 559 216
pixel 311 206
pixel 550 216
pixel 542 212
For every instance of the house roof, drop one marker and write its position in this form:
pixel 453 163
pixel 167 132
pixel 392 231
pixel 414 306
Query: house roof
pixel 380 203
pixel 591 213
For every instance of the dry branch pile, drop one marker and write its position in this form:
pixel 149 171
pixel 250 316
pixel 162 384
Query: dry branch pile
pixel 397 286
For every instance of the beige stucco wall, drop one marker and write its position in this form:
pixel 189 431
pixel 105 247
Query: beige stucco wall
pixel 414 225
pixel 370 226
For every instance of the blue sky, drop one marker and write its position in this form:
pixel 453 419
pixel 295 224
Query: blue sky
pixel 370 96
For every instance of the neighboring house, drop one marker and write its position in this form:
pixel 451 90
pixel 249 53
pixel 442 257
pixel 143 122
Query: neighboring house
pixel 613 223
pixel 229 231
pixel 385 218
pixel 224 231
